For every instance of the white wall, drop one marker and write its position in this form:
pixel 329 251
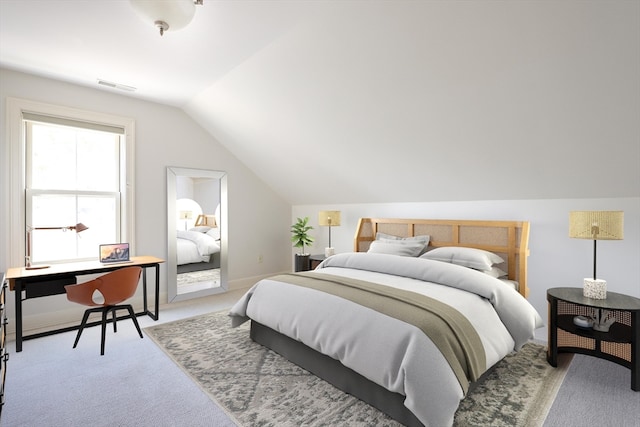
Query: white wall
pixel 555 261
pixel 165 136
pixel 500 100
pixel 259 220
pixel 205 192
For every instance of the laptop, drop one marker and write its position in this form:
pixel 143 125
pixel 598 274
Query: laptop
pixel 114 252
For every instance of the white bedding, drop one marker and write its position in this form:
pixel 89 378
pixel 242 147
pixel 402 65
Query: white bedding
pixel 195 246
pixel 387 351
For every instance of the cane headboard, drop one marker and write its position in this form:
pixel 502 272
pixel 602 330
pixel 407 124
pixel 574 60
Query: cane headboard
pixel 509 239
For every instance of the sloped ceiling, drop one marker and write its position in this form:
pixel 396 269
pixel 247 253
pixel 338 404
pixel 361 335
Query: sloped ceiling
pixel 376 101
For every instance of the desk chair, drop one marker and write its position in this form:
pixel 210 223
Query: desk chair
pixel 115 287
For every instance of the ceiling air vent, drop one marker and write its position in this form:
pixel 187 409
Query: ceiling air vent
pixel 116 85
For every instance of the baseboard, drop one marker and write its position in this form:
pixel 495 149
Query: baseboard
pixel 71 314
pixel 247 282
pixel 62 318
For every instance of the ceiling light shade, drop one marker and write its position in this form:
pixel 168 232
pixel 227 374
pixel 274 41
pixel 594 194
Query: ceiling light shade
pixel 166 15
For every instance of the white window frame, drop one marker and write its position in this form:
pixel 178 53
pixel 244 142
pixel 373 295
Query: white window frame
pixel 17 155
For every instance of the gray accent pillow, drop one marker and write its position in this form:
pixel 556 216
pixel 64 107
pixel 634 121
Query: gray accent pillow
pixel 424 239
pixel 397 247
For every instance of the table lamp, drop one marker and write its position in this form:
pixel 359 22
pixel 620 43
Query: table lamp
pixel 329 219
pixel 79 227
pixel 208 220
pixel 596 225
pixel 186 216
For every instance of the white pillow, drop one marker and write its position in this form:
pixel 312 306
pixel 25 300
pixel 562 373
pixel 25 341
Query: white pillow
pixel 467 257
pixel 389 237
pixel 397 247
pixel 214 232
pixel 495 272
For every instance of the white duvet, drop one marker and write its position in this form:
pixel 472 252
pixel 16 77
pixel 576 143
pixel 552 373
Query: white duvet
pixel 387 351
pixel 195 246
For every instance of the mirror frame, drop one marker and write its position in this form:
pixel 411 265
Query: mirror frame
pixel 172 258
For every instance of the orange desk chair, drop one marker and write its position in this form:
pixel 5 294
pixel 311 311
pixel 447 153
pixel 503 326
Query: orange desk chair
pixel 116 287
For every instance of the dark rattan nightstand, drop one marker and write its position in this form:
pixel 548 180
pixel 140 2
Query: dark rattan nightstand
pixel 315 260
pixel 621 344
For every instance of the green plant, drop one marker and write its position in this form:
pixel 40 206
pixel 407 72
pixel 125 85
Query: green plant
pixel 300 236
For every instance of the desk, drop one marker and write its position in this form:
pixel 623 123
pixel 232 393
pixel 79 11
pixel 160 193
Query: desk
pixel 51 281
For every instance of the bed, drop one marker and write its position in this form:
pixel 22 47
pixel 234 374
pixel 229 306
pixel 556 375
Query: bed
pixel 407 334
pixel 198 249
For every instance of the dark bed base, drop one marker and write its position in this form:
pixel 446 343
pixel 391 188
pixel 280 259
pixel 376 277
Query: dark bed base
pixel 335 373
pixel 214 262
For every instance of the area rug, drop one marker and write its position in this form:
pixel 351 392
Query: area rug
pixel 257 387
pixel 194 277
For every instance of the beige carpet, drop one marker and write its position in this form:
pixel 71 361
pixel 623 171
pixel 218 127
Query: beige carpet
pixel 257 387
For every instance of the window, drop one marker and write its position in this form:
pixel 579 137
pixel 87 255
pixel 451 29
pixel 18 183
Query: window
pixel 76 169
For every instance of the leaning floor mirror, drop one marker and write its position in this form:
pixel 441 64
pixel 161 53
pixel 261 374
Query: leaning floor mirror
pixel 196 233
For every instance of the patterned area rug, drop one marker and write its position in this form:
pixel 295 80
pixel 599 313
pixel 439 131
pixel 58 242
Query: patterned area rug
pixel 257 387
pixel 194 277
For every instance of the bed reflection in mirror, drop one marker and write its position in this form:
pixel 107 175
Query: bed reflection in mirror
pixel 196 206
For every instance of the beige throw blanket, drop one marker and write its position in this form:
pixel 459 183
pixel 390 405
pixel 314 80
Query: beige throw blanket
pixel 449 330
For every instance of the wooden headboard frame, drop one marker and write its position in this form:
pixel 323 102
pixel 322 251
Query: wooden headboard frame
pixel 509 239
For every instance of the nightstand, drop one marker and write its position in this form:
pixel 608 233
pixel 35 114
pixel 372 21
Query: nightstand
pixel 621 344
pixel 315 260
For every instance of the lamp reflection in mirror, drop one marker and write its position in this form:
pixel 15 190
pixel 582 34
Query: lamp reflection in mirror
pixel 329 219
pixel 78 228
pixel 186 216
pixel 206 220
pixel 596 225
pixel 187 210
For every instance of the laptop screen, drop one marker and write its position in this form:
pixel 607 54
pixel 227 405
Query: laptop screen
pixel 114 252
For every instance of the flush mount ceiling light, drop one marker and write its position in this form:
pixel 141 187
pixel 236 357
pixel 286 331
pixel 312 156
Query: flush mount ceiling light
pixel 166 15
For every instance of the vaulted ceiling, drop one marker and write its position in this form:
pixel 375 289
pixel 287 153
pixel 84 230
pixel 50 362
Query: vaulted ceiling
pixel 375 101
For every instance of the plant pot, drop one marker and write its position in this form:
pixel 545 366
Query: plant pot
pixel 301 262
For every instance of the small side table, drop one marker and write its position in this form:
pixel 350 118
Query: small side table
pixel 621 344
pixel 315 260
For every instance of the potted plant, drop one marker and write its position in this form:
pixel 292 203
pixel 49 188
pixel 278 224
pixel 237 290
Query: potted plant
pixel 300 237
